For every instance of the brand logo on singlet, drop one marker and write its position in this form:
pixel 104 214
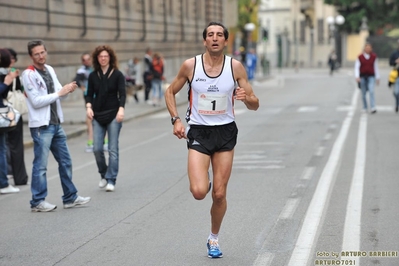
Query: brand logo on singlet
pixel 200 79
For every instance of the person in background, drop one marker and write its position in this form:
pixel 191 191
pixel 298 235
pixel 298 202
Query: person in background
pixel 367 75
pixel 133 77
pixel 44 91
pixel 332 60
pixel 157 78
pixel 5 61
pixel 394 62
pixel 107 111
pixel 15 141
pixel 251 61
pixel 81 79
pixel 147 75
pixel 212 132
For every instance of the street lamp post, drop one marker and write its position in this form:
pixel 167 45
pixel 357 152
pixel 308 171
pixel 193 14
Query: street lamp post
pixel 332 23
pixel 249 28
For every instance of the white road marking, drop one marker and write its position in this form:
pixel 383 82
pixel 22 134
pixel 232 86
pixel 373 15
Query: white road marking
pixel 253 167
pixel 380 108
pixel 308 173
pixel 306 109
pixel 384 108
pixel 327 136
pixel 344 108
pixel 289 208
pixel 259 161
pixel 320 151
pixel 264 259
pixel 311 223
pixel 260 143
pixel 351 238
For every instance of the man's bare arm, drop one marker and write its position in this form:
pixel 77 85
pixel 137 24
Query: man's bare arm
pixel 185 73
pixel 177 84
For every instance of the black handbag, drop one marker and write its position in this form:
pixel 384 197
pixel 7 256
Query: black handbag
pixel 105 117
pixel 9 118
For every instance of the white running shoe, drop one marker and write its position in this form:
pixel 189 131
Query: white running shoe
pixel 103 183
pixel 78 201
pixel 9 189
pixel 110 188
pixel 44 206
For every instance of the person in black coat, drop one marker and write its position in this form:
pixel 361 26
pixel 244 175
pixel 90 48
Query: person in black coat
pixel 15 142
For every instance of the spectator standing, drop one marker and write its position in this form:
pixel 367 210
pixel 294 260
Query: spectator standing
pixel 106 110
pixel 157 78
pixel 5 61
pixel 367 75
pixel 147 75
pixel 43 92
pixel 212 131
pixel 133 77
pixel 15 141
pixel 332 61
pixel 394 62
pixel 81 79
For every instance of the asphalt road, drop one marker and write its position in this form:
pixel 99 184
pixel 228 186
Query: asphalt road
pixel 313 176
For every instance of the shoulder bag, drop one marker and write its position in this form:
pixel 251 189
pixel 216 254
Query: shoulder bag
pixel 17 99
pixel 9 118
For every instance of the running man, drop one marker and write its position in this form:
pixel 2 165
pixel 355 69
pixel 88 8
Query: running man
pixel 215 81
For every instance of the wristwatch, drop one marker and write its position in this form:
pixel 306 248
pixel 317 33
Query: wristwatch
pixel 173 119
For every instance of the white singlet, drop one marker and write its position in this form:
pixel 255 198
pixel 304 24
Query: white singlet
pixel 211 99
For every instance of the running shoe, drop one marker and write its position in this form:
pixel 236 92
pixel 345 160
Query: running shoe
pixel 44 206
pixel 214 249
pixel 9 189
pixel 103 183
pixel 110 188
pixel 77 202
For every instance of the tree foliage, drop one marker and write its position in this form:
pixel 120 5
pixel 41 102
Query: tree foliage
pixel 381 14
pixel 247 13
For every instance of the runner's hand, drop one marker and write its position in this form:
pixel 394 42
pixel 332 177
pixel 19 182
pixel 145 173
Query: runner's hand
pixel 179 130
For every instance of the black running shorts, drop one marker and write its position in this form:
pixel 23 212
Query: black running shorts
pixel 211 139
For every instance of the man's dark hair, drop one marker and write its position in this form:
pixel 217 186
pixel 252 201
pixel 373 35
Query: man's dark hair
pixel 5 58
pixel 32 44
pixel 213 23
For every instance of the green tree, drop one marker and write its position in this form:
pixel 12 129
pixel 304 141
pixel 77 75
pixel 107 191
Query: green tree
pixel 247 13
pixel 380 14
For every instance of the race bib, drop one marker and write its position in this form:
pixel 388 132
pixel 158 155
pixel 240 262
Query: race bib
pixel 212 104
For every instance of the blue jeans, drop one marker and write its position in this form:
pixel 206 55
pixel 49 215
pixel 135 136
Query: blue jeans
pixel 45 139
pixel 367 84
pixel 156 88
pixel 396 92
pixel 3 161
pixel 113 129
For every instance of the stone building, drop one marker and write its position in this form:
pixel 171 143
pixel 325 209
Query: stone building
pixel 70 27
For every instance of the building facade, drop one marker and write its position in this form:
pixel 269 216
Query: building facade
pixel 71 27
pixel 298 33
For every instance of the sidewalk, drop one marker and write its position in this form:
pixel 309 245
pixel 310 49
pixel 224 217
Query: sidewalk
pixel 75 113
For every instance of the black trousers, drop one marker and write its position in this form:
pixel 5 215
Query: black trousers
pixel 15 154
